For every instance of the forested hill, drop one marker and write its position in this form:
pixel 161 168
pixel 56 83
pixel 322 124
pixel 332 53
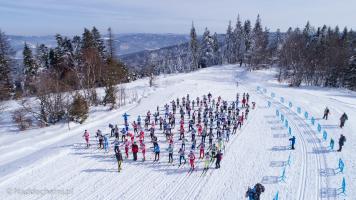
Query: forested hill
pixel 125 43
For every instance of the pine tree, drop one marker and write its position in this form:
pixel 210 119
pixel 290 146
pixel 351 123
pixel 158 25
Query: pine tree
pixel 87 40
pixel 116 71
pixel 238 41
pixel 79 109
pixel 247 40
pixel 216 49
pixel 110 44
pixel 98 42
pixel 229 45
pixel 206 50
pixel 275 46
pixel 194 49
pixel 257 46
pixel 351 74
pixel 5 67
pixel 30 67
pixel 42 57
pixel 77 53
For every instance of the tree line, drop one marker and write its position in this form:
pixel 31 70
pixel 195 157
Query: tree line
pixel 319 56
pixel 62 79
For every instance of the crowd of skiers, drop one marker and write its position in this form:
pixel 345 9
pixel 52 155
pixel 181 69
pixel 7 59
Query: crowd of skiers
pixel 189 126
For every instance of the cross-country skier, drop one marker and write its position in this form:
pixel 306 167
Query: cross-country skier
pixel 218 159
pixel 343 118
pixel 201 150
pixel 207 161
pixel 213 152
pixel 183 142
pixel 227 134
pixel 123 134
pixel 193 134
pixel 253 105
pixel 143 150
pixel 134 125
pixel 119 159
pixel 116 144
pixel 326 113
pixel 170 153
pixel 191 159
pixel 203 135
pixel 134 151
pixel 106 143
pixel 100 137
pixel 112 129
pixel 181 156
pixel 342 140
pixel 86 136
pixel 156 150
pixel 292 140
pixel 235 125
pixel 127 144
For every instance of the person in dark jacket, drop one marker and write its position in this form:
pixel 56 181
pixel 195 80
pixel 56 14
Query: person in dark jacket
pixel 343 118
pixel 119 159
pixel 134 151
pixel 292 140
pixel 255 192
pixel 326 113
pixel 218 159
pixel 342 140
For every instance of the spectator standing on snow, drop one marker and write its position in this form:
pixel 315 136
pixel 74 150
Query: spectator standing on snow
pixel 292 140
pixel 342 140
pixel 326 113
pixel 343 118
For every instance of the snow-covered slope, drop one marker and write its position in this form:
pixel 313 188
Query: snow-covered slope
pixel 52 163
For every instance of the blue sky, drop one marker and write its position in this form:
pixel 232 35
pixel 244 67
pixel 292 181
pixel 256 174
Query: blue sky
pixel 69 17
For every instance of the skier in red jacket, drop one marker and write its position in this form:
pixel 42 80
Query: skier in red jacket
pixel 143 150
pixel 191 159
pixel 134 151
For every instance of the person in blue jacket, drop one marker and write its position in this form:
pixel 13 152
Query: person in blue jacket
pixel 106 143
pixel 156 150
pixel 292 139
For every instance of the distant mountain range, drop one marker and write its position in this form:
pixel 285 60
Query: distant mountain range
pixel 125 43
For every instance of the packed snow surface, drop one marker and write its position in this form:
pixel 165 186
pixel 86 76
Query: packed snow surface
pixel 54 163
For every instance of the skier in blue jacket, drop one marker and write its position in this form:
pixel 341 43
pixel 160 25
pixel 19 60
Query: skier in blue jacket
pixel 156 150
pixel 106 143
